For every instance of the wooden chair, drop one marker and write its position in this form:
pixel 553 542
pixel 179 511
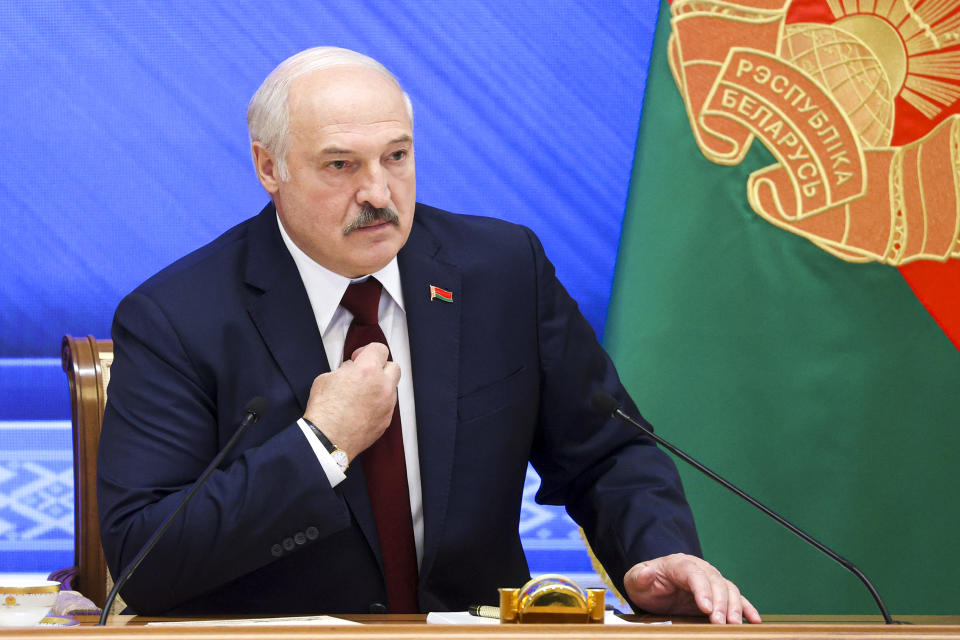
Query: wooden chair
pixel 86 361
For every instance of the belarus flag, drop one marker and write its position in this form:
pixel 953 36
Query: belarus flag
pixel 787 296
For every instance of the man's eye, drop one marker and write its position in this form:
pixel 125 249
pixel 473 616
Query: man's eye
pixel 397 156
pixel 337 164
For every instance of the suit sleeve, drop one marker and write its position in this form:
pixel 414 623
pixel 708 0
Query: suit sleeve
pixel 161 428
pixel 614 481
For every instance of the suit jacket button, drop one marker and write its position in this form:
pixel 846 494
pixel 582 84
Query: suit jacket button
pixel 288 544
pixel 276 550
pixel 312 533
pixel 378 607
pixel 300 539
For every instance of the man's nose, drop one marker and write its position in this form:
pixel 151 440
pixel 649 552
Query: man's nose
pixel 374 189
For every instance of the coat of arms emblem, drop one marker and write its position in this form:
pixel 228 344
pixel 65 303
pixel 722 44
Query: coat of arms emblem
pixel 857 102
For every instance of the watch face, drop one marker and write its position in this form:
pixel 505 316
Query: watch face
pixel 340 458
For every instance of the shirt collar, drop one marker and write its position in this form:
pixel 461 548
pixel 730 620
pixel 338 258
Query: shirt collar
pixel 325 288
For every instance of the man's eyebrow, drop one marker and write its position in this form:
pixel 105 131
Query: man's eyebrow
pixel 340 151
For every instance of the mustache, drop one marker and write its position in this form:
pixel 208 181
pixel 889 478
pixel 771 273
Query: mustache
pixel 370 214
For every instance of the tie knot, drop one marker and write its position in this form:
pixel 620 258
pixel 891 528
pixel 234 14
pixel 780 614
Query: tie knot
pixel 362 299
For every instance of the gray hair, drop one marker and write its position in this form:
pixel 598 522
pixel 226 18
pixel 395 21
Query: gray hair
pixel 268 114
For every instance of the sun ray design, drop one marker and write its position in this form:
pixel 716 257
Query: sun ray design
pixel 921 25
pixel 884 7
pixel 920 103
pixel 897 14
pixel 947 34
pixel 943 92
pixel 943 65
pixel 929 34
pixel 934 10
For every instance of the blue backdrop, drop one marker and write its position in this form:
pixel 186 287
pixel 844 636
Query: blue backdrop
pixel 127 147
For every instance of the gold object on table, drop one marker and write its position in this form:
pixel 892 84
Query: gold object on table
pixel 551 598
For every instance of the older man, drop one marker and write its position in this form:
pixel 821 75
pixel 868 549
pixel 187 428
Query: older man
pixel 415 361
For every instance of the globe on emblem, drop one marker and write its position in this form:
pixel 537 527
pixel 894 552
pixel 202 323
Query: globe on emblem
pixel 848 70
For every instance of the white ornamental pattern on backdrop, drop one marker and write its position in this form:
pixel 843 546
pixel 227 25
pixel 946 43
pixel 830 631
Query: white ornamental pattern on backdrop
pixel 36 492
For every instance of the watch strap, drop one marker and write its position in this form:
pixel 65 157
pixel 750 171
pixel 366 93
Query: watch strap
pixel 324 440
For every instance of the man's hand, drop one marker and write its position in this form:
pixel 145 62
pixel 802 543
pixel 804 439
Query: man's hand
pixel 353 405
pixel 686 585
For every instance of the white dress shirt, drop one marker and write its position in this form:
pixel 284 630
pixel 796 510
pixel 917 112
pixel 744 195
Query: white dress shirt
pixel 325 289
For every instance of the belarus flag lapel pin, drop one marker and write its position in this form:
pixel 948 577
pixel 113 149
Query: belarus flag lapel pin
pixel 436 293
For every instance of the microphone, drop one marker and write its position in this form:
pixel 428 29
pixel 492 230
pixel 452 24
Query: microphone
pixel 606 404
pixel 252 412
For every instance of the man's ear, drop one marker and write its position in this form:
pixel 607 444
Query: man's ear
pixel 266 168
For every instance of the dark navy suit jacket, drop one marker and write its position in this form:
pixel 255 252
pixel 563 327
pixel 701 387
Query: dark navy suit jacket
pixel 502 376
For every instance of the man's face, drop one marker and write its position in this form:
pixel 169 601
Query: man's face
pixel 350 149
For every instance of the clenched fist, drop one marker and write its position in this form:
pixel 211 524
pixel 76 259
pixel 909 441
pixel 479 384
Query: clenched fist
pixel 353 405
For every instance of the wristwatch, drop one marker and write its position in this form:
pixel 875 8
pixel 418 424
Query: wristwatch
pixel 339 455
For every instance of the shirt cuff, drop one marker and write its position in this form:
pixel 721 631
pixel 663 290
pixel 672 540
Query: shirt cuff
pixel 334 474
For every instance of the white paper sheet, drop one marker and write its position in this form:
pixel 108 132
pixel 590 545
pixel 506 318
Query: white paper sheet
pixel 295 621
pixel 457 617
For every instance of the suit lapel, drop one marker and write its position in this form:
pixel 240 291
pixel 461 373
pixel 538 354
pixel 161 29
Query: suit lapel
pixel 285 320
pixel 434 330
pixel 282 312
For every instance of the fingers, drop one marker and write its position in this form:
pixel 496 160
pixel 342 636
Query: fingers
pixel 355 403
pixel 681 584
pixel 750 612
pixel 710 599
pixel 731 610
pixel 376 355
pixel 392 371
pixel 713 594
pixel 721 599
pixel 640 576
pixel 723 604
pixel 374 352
pixel 729 605
pixel 738 607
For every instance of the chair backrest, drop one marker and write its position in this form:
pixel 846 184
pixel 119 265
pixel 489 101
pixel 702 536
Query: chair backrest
pixel 86 361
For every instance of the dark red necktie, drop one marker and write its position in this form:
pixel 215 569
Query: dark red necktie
pixel 383 464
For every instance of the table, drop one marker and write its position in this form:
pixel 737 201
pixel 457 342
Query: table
pixel 411 627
